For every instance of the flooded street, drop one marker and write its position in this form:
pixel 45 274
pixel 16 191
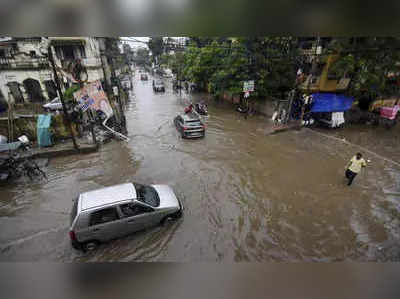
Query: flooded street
pixel 247 196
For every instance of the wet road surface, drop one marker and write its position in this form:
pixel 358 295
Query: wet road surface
pixel 248 197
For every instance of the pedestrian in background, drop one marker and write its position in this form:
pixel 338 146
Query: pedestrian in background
pixel 354 167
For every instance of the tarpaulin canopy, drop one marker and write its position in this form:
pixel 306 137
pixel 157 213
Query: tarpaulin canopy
pixel 330 102
pixel 42 127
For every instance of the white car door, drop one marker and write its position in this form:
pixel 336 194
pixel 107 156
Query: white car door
pixel 137 217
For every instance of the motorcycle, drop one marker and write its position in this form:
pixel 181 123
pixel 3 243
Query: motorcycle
pixel 242 109
pixel 201 109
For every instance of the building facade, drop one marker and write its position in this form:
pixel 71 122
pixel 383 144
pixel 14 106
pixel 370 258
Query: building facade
pixel 26 75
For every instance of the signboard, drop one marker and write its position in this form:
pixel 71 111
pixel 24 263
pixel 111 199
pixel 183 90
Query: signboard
pixel 115 90
pixel 248 86
pixel 11 77
pixel 85 102
pixel 93 96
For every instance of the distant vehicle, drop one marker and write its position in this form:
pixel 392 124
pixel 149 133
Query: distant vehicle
pixel 53 105
pixel 158 85
pixel 108 213
pixel 143 77
pixel 168 73
pixel 201 108
pixel 190 125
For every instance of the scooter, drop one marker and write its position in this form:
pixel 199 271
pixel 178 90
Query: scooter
pixel 242 110
pixel 201 109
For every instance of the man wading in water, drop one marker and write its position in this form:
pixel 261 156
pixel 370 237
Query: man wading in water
pixel 354 167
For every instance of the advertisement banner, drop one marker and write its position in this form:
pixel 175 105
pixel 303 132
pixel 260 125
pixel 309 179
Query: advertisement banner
pixel 93 96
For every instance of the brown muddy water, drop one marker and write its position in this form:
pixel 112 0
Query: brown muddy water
pixel 248 197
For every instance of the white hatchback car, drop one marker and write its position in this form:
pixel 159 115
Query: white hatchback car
pixel 108 213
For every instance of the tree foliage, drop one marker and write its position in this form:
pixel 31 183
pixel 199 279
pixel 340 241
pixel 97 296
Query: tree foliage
pixel 223 64
pixel 156 46
pixel 371 63
pixel 142 57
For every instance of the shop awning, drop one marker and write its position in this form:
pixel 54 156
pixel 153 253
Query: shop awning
pixel 331 102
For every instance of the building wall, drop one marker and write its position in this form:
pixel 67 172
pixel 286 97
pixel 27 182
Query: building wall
pixel 21 75
pixel 29 45
pixel 94 68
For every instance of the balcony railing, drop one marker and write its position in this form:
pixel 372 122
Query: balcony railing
pixel 87 62
pixel 91 62
pixel 34 62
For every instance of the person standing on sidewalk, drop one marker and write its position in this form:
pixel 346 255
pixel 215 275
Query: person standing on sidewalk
pixel 354 167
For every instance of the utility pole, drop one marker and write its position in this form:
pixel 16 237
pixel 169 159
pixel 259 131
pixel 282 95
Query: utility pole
pixel 60 94
pixel 105 67
pixel 10 120
pixel 122 120
pixel 92 130
pixel 109 76
pixel 313 67
pixel 91 120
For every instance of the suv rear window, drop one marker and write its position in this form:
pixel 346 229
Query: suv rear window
pixel 193 123
pixel 74 210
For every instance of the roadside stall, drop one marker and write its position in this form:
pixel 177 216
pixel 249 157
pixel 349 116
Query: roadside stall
pixel 328 109
pixel 385 111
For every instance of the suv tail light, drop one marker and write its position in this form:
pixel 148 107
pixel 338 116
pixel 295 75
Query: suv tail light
pixel 185 128
pixel 72 235
pixel 203 126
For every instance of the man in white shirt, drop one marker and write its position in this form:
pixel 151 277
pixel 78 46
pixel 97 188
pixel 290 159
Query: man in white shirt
pixel 354 167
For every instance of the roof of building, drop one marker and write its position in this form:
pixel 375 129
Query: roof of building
pixel 106 196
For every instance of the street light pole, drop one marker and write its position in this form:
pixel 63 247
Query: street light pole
pixel 60 94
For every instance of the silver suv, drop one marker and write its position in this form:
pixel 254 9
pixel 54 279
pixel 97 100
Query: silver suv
pixel 108 213
pixel 190 125
pixel 158 85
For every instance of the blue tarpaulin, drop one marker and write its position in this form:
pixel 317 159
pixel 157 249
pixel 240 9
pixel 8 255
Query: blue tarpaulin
pixel 43 126
pixel 330 102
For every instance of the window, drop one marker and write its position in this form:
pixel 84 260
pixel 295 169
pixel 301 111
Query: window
pixel 103 216
pixel 148 195
pixel 129 210
pixel 32 53
pixel 193 123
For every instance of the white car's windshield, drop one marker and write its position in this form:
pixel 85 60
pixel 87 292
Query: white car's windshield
pixel 148 195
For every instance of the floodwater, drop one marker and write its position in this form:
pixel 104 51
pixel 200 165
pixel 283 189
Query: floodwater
pixel 247 196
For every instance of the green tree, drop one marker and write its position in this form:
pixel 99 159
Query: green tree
pixel 142 57
pixel 225 63
pixel 372 64
pixel 156 46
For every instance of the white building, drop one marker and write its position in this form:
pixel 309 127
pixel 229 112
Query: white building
pixel 26 74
